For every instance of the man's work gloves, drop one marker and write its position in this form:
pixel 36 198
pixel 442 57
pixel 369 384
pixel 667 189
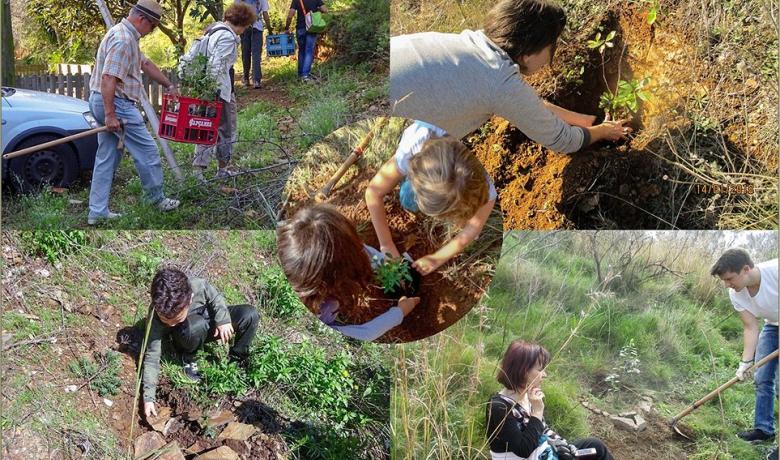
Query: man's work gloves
pixel 742 371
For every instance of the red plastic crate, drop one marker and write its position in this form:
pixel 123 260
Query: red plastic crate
pixel 189 120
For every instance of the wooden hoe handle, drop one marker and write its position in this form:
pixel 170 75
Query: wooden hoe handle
pixel 357 152
pixel 718 390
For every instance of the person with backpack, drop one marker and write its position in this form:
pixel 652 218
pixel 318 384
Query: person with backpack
pixel 116 88
pixel 307 38
pixel 220 45
pixel 252 42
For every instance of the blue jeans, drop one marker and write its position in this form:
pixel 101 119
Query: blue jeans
pixel 766 381
pixel 138 141
pixel 407 196
pixel 251 48
pixel 306 44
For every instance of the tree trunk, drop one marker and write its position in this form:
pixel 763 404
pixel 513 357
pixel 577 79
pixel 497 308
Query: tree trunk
pixel 9 73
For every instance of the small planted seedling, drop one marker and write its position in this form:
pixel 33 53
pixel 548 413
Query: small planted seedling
pixel 625 99
pixel 396 276
pixel 602 43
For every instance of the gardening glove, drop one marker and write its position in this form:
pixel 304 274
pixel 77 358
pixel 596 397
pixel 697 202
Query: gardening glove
pixel 742 372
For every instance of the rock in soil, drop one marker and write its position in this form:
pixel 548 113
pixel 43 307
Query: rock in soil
pixel 623 423
pixel 173 454
pixel 219 418
pixel 238 431
pixel 158 422
pixel 220 453
pixel 148 442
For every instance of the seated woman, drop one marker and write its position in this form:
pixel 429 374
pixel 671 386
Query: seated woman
pixel 515 415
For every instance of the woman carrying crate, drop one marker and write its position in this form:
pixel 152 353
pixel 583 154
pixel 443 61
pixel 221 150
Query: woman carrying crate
pixel 306 39
pixel 223 39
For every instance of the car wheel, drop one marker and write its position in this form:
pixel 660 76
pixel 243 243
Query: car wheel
pixel 56 166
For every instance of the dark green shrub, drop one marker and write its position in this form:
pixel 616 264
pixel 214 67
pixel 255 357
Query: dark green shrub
pixel 53 244
pixel 102 372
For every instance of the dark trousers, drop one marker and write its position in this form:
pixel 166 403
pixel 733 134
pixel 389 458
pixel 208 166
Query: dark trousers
pixel 251 52
pixel 601 450
pixel 196 330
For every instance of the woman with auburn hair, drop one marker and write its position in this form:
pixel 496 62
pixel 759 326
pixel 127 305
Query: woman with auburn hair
pixel 328 266
pixel 515 415
pixel 223 39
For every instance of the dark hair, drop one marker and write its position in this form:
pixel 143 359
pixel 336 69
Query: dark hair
pixel 731 261
pixel 525 27
pixel 170 292
pixel 323 257
pixel 519 359
pixel 240 14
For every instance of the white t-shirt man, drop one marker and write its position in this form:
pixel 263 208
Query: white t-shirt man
pixel 260 7
pixel 765 303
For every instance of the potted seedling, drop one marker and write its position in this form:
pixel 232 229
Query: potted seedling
pixel 396 276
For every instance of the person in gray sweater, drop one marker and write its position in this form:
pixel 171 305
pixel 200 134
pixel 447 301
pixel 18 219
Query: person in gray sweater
pixel 458 81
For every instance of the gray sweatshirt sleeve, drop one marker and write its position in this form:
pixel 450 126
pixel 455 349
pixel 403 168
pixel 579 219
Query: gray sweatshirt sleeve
pixel 519 104
pixel 375 328
pixel 151 370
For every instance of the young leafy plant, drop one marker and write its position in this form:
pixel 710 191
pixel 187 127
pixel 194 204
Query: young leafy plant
pixel 102 373
pixel 53 244
pixel 197 80
pixel 600 43
pixel 392 273
pixel 625 99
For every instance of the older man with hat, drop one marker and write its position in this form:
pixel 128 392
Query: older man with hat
pixel 116 89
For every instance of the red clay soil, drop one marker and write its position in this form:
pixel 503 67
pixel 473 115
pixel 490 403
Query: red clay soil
pixel 622 186
pixel 443 299
pixel 658 441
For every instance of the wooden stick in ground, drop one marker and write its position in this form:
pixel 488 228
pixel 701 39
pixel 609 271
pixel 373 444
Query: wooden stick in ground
pixel 149 319
pixel 53 143
pixel 718 390
pixel 357 152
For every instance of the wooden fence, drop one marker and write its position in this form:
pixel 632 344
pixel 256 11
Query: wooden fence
pixel 77 85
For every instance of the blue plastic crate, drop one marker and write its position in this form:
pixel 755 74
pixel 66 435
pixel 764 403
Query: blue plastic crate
pixel 280 45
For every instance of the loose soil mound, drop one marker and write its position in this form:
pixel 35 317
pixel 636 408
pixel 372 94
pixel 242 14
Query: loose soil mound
pixel 633 184
pixel 445 295
pixel 658 441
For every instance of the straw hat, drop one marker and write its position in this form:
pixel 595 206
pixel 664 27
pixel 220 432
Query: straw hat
pixel 150 9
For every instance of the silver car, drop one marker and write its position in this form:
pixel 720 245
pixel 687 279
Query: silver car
pixel 34 117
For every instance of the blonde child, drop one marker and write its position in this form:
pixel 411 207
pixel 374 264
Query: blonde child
pixel 439 177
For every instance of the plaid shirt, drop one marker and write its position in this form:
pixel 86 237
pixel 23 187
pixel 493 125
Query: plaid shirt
pixel 120 56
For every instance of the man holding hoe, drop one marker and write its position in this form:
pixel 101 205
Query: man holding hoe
pixel 116 89
pixel 753 292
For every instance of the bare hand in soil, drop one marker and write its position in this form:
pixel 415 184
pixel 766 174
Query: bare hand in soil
pixel 614 130
pixel 426 265
pixel 390 249
pixel 112 123
pixel 224 332
pixel 536 398
pixel 407 304
pixel 149 409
